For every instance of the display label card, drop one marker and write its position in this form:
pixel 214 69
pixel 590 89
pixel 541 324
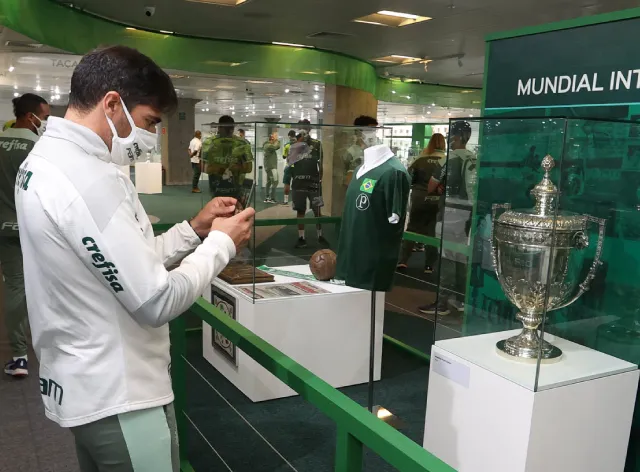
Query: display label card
pixel 452 370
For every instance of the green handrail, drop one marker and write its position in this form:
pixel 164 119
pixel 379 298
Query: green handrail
pixel 356 426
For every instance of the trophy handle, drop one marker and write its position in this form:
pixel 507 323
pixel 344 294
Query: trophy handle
pixel 494 250
pixel 597 262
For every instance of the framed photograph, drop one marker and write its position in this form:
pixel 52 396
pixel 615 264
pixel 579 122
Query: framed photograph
pixel 228 305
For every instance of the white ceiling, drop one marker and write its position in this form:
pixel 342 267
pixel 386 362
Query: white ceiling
pixel 456 31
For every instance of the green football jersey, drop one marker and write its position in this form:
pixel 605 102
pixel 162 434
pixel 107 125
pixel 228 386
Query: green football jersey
pixel 369 244
pixel 15 146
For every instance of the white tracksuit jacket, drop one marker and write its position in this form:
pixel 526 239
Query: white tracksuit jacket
pixel 98 292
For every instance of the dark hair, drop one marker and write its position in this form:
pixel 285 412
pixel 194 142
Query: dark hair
pixel 27 103
pixel 292 134
pixel 226 120
pixel 364 120
pixel 462 129
pixel 304 122
pixel 137 79
pixel 240 130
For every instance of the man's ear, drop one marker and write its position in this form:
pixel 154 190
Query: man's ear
pixel 110 103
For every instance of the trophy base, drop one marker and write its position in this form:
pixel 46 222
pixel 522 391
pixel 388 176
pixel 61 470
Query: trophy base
pixel 527 347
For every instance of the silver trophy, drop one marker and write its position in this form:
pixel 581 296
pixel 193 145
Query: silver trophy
pixel 538 257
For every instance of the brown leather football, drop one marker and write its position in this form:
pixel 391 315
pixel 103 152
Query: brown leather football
pixel 323 264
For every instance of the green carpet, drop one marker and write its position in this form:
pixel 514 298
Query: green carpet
pixel 298 432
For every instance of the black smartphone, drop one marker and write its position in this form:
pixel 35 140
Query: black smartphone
pixel 245 195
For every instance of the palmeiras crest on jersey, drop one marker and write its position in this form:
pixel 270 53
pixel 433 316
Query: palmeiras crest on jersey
pixel 362 202
pixel 227 304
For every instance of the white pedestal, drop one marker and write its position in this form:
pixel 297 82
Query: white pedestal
pixel 483 415
pixel 149 177
pixel 326 333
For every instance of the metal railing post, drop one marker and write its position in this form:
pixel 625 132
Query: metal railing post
pixel 348 452
pixel 179 379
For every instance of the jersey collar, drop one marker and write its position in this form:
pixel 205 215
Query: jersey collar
pixel 88 140
pixel 374 156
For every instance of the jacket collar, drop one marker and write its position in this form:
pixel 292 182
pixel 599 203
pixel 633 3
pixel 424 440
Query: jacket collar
pixel 88 140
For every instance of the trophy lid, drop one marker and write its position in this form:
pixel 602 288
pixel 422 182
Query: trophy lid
pixel 544 215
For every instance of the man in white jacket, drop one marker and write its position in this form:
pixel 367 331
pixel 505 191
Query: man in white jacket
pixel 98 291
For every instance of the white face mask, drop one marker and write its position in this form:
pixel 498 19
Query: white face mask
pixel 41 127
pixel 125 151
pixel 370 137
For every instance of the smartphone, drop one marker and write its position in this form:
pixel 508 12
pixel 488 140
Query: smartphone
pixel 245 196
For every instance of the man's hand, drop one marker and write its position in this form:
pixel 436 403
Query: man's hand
pixel 237 227
pixel 219 207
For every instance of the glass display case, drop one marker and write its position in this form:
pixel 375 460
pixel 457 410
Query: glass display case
pixel 281 286
pixel 537 232
pixel 535 306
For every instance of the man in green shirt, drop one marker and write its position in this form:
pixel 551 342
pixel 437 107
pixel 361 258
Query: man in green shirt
pixel 228 158
pixel 16 143
pixel 270 149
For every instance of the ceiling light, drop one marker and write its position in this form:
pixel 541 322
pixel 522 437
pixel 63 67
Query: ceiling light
pixel 316 96
pixel 273 111
pixel 15 87
pixel 38 88
pixel 401 60
pixel 299 106
pixel 467 91
pixel 398 14
pixel 130 28
pixel 449 113
pixel 226 87
pixel 393 91
pixel 308 72
pixel 428 113
pixel 207 109
pixel 471 116
pixel 16 94
pixel 391 18
pixel 320 110
pixel 293 45
pixel 233 112
pixel 223 3
pixel 253 112
pixel 286 90
pixel 246 108
pixel 57 89
pixel 166 32
pixel 433 104
pixel 205 90
pixel 258 82
pixel 369 22
pixel 11 68
pixel 408 97
pixel 316 88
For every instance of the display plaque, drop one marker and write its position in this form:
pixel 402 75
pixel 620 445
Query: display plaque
pixel 228 305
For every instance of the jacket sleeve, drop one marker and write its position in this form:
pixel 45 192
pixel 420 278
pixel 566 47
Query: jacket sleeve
pixel 176 243
pixel 112 246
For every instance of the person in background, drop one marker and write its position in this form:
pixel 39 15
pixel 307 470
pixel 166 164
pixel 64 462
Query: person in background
pixel 228 158
pixel 31 112
pixel 98 287
pixel 355 153
pixel 425 177
pixel 286 178
pixel 8 124
pixel 270 149
pixel 242 134
pixel 458 180
pixel 195 148
pixel 306 174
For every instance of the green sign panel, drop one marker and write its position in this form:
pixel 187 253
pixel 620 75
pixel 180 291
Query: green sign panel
pixel 590 66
